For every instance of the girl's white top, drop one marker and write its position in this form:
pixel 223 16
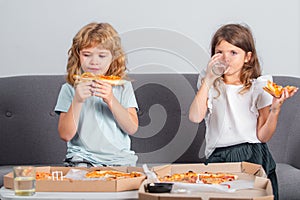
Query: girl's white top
pixel 232 117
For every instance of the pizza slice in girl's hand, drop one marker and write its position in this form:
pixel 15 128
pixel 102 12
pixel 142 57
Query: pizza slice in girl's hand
pixel 277 90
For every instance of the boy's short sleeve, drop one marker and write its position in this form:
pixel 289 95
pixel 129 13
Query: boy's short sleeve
pixel 64 99
pixel 128 99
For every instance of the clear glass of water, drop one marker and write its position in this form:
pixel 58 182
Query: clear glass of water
pixel 219 67
pixel 24 180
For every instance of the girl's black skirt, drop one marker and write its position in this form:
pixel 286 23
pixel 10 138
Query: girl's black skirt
pixel 250 152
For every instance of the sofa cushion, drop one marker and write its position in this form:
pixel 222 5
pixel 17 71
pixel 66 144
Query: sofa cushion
pixel 288 181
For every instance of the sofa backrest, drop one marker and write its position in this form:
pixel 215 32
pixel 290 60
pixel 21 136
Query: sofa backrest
pixel 28 125
pixel 165 133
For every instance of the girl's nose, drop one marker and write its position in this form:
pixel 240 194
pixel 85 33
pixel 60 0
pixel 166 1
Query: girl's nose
pixel 226 58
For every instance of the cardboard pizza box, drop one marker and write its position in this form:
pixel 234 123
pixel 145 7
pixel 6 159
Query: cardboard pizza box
pixel 67 185
pixel 262 188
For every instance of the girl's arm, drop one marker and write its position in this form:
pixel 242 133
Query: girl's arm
pixel 198 107
pixel 267 122
pixel 268 117
pixel 68 122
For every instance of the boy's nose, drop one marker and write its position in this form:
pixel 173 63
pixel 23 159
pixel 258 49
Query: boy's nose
pixel 94 60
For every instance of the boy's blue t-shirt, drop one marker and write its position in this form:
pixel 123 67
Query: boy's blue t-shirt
pixel 99 139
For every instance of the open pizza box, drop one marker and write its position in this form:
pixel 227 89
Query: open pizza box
pixel 260 186
pixel 70 185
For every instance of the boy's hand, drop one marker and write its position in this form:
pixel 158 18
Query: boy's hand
pixel 104 91
pixel 83 90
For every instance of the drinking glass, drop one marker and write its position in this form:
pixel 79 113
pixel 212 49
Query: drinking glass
pixel 219 67
pixel 24 180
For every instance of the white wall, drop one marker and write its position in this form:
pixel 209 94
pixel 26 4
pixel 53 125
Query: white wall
pixel 158 35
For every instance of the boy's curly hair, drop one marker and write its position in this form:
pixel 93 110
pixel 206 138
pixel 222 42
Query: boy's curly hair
pixel 95 34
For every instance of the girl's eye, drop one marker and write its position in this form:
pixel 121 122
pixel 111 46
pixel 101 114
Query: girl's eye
pixel 233 53
pixel 102 56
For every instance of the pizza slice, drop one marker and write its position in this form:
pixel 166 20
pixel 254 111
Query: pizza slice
pixel 277 90
pixel 206 178
pixel 88 76
pixel 216 178
pixel 113 80
pixel 111 174
pixel 43 176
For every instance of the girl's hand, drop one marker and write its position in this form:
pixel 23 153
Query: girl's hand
pixel 277 102
pixel 83 90
pixel 104 91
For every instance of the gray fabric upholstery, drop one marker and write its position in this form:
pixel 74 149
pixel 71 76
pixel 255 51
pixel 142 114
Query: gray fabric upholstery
pixel 286 140
pixel 28 125
pixel 165 133
pixel 289 181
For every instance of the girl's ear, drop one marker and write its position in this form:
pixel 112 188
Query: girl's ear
pixel 248 56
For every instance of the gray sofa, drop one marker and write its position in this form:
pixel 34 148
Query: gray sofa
pixel 28 125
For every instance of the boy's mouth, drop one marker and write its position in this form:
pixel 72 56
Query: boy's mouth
pixel 93 70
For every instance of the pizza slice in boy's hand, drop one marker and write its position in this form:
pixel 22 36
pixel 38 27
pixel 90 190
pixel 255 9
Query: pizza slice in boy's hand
pixel 88 76
pixel 113 80
pixel 277 90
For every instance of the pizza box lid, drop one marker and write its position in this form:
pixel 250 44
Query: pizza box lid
pixel 67 185
pixel 246 171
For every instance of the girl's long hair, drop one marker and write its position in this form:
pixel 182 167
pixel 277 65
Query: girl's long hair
pixel 96 34
pixel 239 36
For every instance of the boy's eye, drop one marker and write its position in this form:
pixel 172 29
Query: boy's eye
pixel 102 56
pixel 85 53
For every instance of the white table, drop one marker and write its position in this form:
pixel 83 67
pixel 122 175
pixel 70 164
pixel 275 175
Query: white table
pixel 7 194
